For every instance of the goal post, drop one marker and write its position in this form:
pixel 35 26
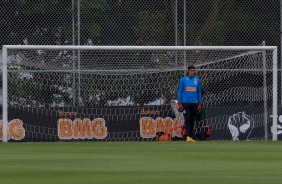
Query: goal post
pixel 124 61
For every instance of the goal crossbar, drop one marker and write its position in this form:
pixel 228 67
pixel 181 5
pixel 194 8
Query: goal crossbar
pixel 176 48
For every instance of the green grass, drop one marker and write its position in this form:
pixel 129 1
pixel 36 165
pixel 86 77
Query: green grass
pixel 141 162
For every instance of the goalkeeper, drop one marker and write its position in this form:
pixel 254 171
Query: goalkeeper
pixel 189 99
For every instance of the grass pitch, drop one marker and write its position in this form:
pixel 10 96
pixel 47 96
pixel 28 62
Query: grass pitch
pixel 141 162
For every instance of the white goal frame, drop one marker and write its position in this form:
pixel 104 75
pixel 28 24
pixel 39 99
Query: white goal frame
pixel 175 48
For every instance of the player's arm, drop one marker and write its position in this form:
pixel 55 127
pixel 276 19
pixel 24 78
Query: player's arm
pixel 199 96
pixel 199 92
pixel 180 91
pixel 179 95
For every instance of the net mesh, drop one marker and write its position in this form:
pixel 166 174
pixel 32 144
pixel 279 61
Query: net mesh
pixel 66 94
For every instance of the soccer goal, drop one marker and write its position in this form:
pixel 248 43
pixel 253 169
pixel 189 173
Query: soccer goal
pixel 125 93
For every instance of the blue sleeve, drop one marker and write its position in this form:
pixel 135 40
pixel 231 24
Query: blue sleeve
pixel 199 92
pixel 180 91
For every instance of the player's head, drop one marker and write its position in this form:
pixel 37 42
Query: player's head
pixel 191 70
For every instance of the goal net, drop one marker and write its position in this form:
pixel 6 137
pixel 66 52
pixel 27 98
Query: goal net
pixel 123 93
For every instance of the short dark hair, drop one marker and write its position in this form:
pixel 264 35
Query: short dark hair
pixel 191 67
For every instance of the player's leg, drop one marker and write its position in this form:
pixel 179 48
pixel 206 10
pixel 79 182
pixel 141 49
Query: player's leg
pixel 186 114
pixel 191 115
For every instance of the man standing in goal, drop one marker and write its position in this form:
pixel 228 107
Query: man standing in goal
pixel 189 99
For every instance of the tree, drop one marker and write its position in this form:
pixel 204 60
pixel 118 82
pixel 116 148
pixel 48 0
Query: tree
pixel 39 22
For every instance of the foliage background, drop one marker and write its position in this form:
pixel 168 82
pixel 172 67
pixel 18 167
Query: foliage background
pixel 121 22
pixel 145 22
